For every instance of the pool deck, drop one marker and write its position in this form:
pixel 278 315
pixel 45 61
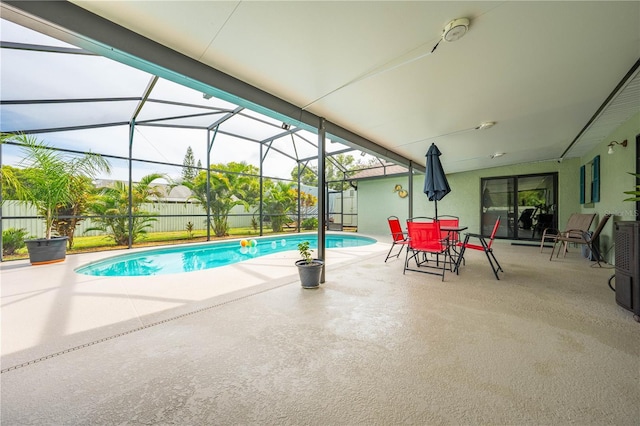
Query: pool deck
pixel 49 308
pixel 246 345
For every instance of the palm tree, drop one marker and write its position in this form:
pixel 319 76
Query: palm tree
pixel 49 177
pixel 111 207
pixel 69 214
pixel 230 185
pixel 280 200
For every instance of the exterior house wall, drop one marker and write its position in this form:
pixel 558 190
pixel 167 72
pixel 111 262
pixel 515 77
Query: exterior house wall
pixel 377 201
pixel 375 197
pixel 614 180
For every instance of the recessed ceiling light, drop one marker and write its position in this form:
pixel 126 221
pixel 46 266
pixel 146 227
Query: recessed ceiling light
pixel 486 125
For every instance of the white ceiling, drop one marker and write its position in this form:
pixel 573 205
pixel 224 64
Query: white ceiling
pixel 541 70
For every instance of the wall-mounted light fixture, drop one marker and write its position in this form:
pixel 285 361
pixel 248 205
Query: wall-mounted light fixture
pixel 402 193
pixel 614 143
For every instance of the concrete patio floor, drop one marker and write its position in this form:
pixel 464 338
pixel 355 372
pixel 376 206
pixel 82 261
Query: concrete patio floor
pixel 50 308
pixel 244 344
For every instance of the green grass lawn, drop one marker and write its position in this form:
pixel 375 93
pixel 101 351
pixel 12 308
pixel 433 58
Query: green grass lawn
pixel 85 244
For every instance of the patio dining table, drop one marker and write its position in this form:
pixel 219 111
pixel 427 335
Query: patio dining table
pixel 451 232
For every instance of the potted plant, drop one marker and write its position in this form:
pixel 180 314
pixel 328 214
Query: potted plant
pixel 309 269
pixel 636 192
pixel 47 184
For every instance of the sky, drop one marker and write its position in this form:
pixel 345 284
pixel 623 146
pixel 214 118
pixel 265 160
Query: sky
pixel 30 75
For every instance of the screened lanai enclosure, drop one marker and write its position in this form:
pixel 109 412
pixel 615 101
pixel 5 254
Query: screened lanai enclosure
pixel 184 165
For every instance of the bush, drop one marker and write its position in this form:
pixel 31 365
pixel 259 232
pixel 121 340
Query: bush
pixel 12 240
pixel 310 223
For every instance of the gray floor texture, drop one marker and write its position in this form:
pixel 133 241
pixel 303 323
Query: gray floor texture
pixel 544 345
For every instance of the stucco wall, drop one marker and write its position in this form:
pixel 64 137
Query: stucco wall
pixel 614 180
pixel 380 201
pixel 377 201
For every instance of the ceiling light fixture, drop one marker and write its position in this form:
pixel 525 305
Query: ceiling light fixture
pixel 455 29
pixel 486 125
pixel 286 126
pixel 614 143
pixel 207 96
pixel 497 154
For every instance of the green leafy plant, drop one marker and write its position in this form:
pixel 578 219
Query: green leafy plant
pixel 49 177
pixel 310 223
pixel 305 252
pixel 279 201
pixel 229 185
pixel 189 229
pixel 111 208
pixel 636 193
pixel 12 240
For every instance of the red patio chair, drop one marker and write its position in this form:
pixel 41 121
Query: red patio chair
pixel 425 239
pixel 399 237
pixel 450 222
pixel 483 246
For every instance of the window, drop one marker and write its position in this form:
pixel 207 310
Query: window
pixel 590 182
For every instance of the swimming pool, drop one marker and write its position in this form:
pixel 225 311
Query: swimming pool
pixel 180 259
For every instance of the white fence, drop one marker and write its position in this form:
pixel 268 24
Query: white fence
pixel 35 227
pixel 189 212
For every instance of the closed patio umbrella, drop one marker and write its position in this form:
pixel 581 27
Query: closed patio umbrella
pixel 436 185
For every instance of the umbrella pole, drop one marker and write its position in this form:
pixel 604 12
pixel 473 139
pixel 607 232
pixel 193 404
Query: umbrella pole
pixel 436 201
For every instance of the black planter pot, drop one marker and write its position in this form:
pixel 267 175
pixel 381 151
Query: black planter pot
pixel 43 251
pixel 310 273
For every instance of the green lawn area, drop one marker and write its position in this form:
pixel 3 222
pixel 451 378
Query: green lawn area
pixel 85 244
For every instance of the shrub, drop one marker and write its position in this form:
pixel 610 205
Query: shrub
pixel 12 240
pixel 310 223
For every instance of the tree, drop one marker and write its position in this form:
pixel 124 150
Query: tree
pixel 308 176
pixel 69 214
pixel 112 208
pixel 280 200
pixel 230 185
pixel 306 202
pixel 334 172
pixel 189 172
pixel 9 188
pixel 48 177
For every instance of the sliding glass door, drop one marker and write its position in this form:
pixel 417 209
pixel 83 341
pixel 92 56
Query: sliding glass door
pixel 526 205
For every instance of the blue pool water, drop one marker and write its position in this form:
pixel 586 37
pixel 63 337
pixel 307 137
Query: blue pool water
pixel 179 259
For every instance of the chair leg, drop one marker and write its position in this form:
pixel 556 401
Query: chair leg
pixel 495 267
pixel 406 261
pixel 389 254
pixel 596 253
pixel 553 249
pixel 460 259
pixel 413 256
